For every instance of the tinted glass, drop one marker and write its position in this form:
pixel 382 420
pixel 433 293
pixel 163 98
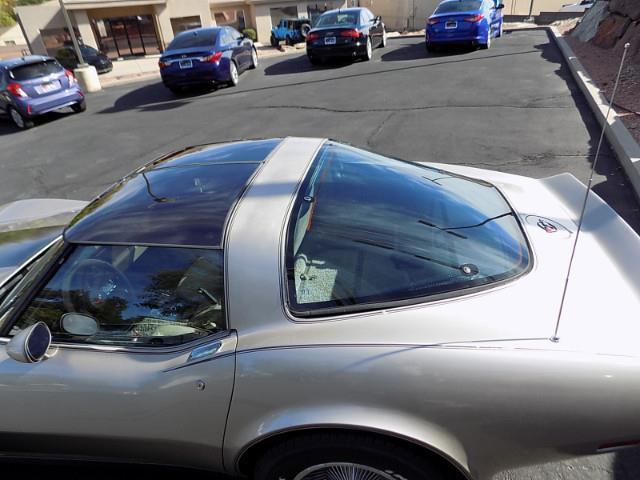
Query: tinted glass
pixel 194 38
pixel 336 18
pixel 368 230
pixel 240 152
pixel 148 296
pixel 35 70
pixel 458 6
pixel 88 51
pixel 165 206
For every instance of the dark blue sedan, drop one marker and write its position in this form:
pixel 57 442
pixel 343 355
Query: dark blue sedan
pixel 34 85
pixel 207 56
pixel 473 22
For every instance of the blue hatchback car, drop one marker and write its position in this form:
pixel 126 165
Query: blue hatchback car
pixel 206 56
pixel 34 85
pixel 473 22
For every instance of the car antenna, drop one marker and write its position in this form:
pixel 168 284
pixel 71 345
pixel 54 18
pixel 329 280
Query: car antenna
pixel 555 337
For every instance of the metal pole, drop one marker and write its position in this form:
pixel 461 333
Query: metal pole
pixel 530 9
pixel 72 32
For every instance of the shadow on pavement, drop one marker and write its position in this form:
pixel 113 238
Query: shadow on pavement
pixel 156 97
pixel 626 465
pixel 8 128
pixel 300 64
pixel 417 51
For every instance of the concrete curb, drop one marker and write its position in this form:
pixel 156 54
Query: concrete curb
pixel 624 145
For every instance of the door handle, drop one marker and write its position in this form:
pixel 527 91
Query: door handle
pixel 216 348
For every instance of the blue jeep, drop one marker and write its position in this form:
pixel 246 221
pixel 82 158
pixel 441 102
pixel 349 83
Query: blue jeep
pixel 291 30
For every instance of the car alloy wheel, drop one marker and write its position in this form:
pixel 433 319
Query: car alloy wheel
pixel 254 58
pixel 342 471
pixel 19 120
pixel 233 74
pixel 384 38
pixel 500 30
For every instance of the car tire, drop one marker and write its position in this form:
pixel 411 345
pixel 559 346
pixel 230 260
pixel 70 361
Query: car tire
pixel 81 106
pixel 305 28
pixel 368 54
pixel 500 30
pixel 274 41
pixel 487 45
pixel 384 38
pixel 309 456
pixel 233 74
pixel 289 41
pixel 19 120
pixel 429 46
pixel 254 59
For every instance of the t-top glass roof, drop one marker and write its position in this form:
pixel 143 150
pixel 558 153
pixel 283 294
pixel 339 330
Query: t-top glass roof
pixel 183 199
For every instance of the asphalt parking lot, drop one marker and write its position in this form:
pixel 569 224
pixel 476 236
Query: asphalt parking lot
pixel 513 108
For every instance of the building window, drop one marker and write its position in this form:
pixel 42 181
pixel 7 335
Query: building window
pixel 230 17
pixel 126 36
pixel 282 12
pixel 56 38
pixel 181 24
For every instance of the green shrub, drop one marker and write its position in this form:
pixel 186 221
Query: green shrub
pixel 251 33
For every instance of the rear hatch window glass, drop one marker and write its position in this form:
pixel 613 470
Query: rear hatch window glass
pixel 31 71
pixel 194 39
pixel 331 19
pixel 458 6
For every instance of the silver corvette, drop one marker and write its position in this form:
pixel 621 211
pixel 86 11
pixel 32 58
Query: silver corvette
pixel 300 309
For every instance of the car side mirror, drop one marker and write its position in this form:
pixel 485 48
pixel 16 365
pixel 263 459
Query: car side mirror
pixel 31 344
pixel 78 324
pixel 500 7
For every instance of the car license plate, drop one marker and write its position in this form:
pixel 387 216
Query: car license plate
pixel 48 87
pixel 329 40
pixel 451 25
pixel 186 64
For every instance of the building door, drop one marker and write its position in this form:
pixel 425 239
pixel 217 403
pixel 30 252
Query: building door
pixel 128 36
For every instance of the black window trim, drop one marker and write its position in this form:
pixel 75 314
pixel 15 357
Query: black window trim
pixel 348 311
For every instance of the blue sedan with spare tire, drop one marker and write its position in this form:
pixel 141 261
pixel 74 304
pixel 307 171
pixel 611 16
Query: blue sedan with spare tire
pixel 207 56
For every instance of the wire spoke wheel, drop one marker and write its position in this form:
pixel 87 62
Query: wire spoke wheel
pixel 342 471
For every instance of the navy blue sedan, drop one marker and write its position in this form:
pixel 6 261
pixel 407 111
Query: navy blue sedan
pixel 204 56
pixel 473 22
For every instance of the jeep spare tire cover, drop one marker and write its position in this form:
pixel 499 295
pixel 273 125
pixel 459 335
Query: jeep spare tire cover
pixel 304 29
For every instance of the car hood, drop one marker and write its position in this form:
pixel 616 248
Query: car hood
pixel 26 226
pixel 600 311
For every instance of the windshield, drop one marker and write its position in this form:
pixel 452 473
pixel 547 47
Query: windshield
pixel 458 6
pixel 368 230
pixel 35 70
pixel 194 38
pixel 133 295
pixel 336 19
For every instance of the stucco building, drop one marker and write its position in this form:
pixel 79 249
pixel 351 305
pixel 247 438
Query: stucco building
pixel 123 28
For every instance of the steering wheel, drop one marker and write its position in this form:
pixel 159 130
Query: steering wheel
pixel 94 282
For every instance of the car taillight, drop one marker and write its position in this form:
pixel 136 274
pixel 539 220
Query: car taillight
pixel 433 21
pixel 162 64
pixel 350 33
pixel 212 58
pixel 70 77
pixel 473 18
pixel 313 36
pixel 15 89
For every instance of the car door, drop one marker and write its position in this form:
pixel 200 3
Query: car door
pixel 242 47
pixel 134 397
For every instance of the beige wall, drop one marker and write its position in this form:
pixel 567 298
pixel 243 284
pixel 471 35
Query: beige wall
pixel 11 36
pixel 402 14
pixel 35 18
pixel 521 7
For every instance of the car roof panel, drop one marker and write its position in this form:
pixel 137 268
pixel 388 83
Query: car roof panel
pixel 181 200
